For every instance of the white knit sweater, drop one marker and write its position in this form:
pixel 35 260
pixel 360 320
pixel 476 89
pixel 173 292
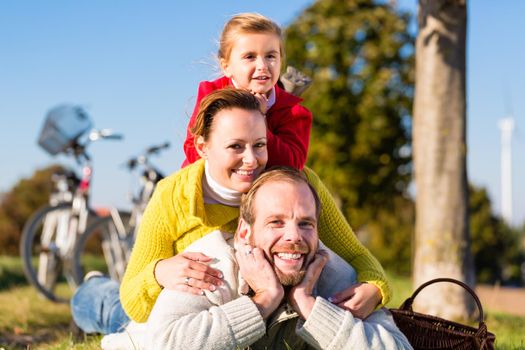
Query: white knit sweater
pixel 225 319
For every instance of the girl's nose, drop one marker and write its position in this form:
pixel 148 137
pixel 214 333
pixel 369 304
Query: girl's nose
pixel 261 64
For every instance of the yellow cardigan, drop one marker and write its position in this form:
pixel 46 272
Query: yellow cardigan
pixel 176 216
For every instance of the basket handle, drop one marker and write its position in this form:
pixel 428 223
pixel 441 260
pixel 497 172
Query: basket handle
pixel 407 304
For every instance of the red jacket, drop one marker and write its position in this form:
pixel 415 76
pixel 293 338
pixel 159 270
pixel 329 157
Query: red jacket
pixel 289 126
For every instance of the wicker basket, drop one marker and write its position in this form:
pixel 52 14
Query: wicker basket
pixel 431 332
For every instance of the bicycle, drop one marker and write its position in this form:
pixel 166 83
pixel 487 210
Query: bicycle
pixel 49 236
pixel 115 233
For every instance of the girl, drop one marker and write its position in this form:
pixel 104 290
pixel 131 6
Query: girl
pixel 250 55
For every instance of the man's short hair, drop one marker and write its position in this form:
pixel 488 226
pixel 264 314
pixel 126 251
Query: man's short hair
pixel 281 173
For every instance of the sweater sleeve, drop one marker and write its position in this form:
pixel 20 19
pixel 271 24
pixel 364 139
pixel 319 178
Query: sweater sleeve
pixel 289 139
pixel 331 328
pixel 185 321
pixel 139 288
pixel 337 234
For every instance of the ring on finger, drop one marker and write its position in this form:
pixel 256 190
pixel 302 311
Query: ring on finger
pixel 187 281
pixel 248 252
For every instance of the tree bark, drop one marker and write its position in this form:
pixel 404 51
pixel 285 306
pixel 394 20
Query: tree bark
pixel 442 238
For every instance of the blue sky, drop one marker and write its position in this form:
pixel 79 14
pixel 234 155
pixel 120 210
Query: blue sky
pixel 135 67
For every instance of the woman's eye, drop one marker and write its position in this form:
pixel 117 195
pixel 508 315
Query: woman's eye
pixel 260 145
pixel 235 146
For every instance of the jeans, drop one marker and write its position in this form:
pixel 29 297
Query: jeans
pixel 96 307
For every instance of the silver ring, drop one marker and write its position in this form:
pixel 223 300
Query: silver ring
pixel 187 281
pixel 248 252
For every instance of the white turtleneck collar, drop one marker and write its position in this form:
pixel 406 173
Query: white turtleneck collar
pixel 215 193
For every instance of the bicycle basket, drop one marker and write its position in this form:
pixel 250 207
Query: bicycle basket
pixel 431 332
pixel 63 125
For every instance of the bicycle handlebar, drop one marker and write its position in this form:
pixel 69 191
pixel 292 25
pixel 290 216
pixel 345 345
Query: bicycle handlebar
pixel 133 162
pixel 158 148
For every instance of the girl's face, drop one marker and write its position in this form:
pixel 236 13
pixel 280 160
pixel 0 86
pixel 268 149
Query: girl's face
pixel 236 148
pixel 255 62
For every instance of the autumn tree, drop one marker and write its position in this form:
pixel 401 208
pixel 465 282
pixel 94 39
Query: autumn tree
pixel 442 240
pixel 359 54
pixel 17 205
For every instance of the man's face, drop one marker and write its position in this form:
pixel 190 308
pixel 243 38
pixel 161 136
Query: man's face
pixel 285 228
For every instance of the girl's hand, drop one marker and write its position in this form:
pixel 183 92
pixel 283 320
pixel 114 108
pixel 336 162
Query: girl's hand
pixel 361 299
pixel 300 296
pixel 261 278
pixel 188 272
pixel 263 101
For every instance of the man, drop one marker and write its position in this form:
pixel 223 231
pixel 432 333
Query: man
pixel 274 292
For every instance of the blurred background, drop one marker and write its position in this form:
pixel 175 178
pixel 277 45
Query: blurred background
pixel 134 67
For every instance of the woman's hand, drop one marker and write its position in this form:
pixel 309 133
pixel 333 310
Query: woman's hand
pixel 361 299
pixel 300 296
pixel 261 278
pixel 188 272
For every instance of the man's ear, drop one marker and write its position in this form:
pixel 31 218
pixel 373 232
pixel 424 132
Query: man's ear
pixel 225 68
pixel 200 146
pixel 244 231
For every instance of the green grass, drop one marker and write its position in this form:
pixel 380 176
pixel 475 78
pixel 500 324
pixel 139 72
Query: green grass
pixel 29 320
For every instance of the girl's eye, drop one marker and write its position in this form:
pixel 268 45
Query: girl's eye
pixel 260 145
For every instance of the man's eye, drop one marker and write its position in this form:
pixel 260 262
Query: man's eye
pixel 306 224
pixel 276 223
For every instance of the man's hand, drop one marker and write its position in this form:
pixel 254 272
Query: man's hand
pixel 188 272
pixel 300 296
pixel 261 278
pixel 360 299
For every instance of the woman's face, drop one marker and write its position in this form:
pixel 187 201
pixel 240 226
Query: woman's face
pixel 236 148
pixel 255 62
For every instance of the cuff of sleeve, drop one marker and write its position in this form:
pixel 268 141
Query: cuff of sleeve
pixel 153 287
pixel 245 320
pixel 382 285
pixel 322 325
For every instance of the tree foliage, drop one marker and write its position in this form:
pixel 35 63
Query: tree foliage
pixel 17 205
pixel 359 54
pixel 497 248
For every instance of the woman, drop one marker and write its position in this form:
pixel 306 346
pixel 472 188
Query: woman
pixel 230 134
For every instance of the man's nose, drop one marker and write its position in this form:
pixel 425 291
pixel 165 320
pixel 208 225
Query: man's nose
pixel 292 234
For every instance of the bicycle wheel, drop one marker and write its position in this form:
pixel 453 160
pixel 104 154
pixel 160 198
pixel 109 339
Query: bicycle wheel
pixel 43 261
pixel 103 247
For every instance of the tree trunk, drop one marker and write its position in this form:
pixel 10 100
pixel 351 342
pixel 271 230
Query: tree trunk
pixel 442 239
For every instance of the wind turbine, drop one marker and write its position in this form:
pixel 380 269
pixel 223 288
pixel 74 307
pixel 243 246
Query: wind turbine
pixel 506 126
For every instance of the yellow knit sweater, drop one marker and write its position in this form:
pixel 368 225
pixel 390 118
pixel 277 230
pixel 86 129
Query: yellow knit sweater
pixel 176 216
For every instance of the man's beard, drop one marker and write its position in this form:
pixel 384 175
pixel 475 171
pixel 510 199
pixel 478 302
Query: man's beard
pixel 293 278
pixel 290 279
